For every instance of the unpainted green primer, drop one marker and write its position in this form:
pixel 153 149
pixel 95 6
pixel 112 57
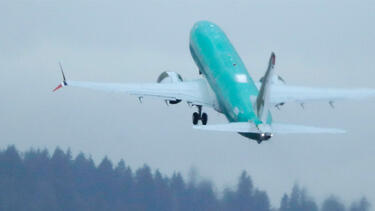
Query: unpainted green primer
pixel 224 70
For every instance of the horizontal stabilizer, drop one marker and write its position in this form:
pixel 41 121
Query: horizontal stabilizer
pixel 281 128
pixel 239 127
pixel 276 128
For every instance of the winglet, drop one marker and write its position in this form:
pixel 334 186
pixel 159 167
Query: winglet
pixel 63 83
pixel 58 87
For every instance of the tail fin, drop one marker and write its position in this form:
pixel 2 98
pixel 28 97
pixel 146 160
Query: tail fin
pixel 263 101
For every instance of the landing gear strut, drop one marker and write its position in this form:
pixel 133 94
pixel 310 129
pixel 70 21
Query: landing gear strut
pixel 199 116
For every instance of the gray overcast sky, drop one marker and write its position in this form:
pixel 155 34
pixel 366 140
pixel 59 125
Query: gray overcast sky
pixel 319 43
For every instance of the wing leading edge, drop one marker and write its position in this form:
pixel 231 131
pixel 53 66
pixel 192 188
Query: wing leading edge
pixel 195 92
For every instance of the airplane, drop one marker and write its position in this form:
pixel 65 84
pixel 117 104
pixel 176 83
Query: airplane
pixel 227 87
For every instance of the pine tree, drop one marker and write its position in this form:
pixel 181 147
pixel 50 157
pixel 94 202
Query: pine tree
pixel 362 205
pixel 332 204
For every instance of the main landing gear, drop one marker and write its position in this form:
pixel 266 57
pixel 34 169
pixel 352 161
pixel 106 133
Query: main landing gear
pixel 199 116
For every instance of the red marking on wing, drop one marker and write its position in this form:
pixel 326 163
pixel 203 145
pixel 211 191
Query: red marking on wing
pixel 273 59
pixel 58 87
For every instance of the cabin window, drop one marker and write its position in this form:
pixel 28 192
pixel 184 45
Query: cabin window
pixel 241 78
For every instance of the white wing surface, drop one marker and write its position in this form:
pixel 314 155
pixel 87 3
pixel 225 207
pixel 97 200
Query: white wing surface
pixel 284 94
pixel 283 128
pixel 276 128
pixel 239 127
pixel 195 92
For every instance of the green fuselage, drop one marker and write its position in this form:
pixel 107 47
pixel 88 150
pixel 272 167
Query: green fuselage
pixel 224 70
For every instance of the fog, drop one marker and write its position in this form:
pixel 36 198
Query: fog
pixel 320 43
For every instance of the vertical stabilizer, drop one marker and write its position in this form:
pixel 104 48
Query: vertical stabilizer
pixel 263 99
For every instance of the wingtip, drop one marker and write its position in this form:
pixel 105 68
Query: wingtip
pixel 63 83
pixel 340 131
pixel 334 131
pixel 57 88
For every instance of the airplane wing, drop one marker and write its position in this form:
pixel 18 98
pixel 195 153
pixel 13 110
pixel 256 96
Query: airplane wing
pixel 280 93
pixel 276 128
pixel 284 93
pixel 195 92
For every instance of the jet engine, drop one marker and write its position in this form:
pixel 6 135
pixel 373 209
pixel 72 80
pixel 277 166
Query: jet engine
pixel 170 77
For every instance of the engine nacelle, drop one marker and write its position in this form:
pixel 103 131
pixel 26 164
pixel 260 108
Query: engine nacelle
pixel 170 77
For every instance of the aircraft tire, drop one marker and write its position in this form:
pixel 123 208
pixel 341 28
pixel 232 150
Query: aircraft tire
pixel 195 118
pixel 204 118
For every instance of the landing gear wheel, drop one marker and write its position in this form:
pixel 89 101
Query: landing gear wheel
pixel 204 118
pixel 195 118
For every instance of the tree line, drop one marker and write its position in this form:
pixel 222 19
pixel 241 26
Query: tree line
pixel 37 180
